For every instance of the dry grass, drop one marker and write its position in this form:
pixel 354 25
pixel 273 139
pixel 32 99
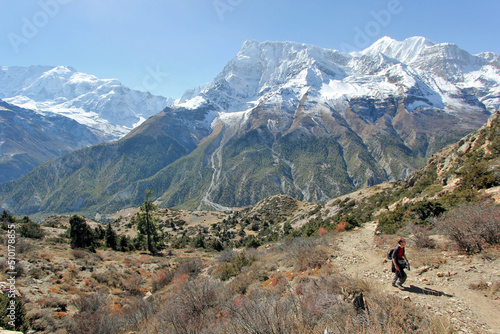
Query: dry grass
pixel 288 287
pixel 490 289
pixel 426 257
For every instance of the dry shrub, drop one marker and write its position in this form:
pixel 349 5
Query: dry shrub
pixel 250 276
pixel 490 288
pixel 306 253
pixel 192 267
pixel 481 285
pixel 241 283
pixel 79 253
pixel 193 308
pixel 263 313
pixel 390 314
pixel 4 266
pixel 46 257
pixel 494 288
pixel 138 310
pixel 312 260
pixel 111 277
pixel 94 323
pixel 338 303
pixel 42 320
pixel 226 255
pixel 22 245
pixel 472 226
pixel 94 316
pixel 491 253
pixel 91 303
pixel 162 279
pixel 346 305
pixel 101 256
pixel 230 269
pixel 60 315
pixel 53 302
pixel 132 284
pixel 421 236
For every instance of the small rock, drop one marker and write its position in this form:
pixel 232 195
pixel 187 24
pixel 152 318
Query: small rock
pixel 420 271
pixel 440 274
pixel 407 298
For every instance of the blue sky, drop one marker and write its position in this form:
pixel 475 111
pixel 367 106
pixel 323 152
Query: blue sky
pixel 168 46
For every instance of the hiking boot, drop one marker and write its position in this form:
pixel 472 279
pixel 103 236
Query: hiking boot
pixel 400 286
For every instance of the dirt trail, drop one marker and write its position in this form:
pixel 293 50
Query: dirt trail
pixel 442 287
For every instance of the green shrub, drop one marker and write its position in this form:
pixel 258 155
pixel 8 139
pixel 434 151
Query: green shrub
pixel 14 319
pixel 227 270
pixel 29 229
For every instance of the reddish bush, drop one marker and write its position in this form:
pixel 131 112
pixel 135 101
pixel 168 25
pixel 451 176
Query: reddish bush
pixel 162 279
pixel 341 226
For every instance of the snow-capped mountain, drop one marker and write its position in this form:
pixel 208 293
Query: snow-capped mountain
pixel 281 117
pixel 104 105
pixel 426 74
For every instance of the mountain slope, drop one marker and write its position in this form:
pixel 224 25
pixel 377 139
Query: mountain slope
pixel 82 179
pixel 28 139
pixel 104 105
pixel 282 118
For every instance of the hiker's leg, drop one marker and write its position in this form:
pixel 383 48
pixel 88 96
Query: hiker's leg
pixel 402 277
pixel 394 279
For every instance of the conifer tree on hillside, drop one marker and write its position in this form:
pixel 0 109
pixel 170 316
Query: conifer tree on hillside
pixel 7 218
pixel 81 234
pixel 111 237
pixel 146 223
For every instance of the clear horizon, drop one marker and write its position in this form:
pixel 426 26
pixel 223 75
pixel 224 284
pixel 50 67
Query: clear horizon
pixel 168 46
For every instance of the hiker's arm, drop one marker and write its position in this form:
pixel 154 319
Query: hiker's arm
pixel 395 262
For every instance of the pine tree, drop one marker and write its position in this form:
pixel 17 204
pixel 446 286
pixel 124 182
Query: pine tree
pixel 99 233
pixel 7 218
pixel 81 234
pixel 146 223
pixel 139 242
pixel 125 244
pixel 111 238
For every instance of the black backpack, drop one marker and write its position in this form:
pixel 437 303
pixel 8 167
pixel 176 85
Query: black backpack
pixel 390 253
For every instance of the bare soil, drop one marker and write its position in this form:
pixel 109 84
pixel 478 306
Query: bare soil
pixel 461 288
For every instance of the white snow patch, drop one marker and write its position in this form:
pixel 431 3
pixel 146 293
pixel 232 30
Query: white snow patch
pixel 193 103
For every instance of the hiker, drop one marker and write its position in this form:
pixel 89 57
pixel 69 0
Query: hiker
pixel 399 262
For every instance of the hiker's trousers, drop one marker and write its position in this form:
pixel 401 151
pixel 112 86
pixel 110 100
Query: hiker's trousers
pixel 399 277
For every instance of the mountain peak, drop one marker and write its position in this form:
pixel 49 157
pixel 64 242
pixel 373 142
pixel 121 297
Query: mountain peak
pixel 270 70
pixel 278 49
pixel 104 105
pixel 404 51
